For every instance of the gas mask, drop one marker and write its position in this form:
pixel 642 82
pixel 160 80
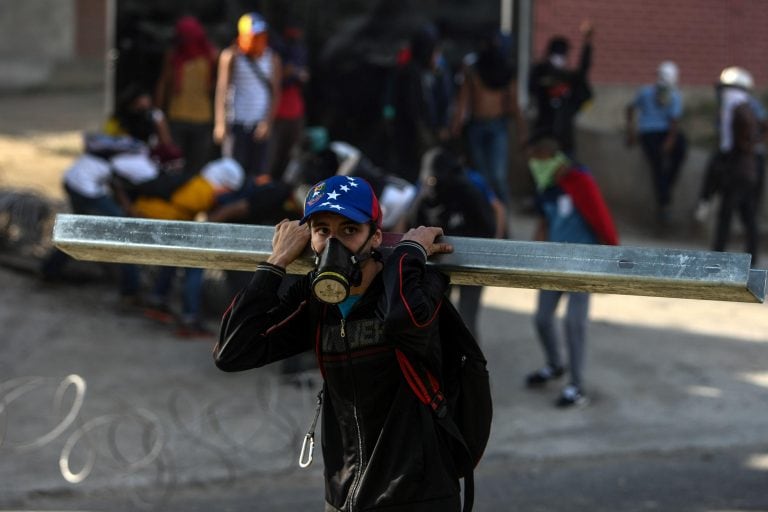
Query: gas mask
pixel 338 270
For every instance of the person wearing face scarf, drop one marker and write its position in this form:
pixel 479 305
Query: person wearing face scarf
pixel 559 92
pixel 736 169
pixel 659 107
pixel 136 116
pixel 185 91
pixel 247 95
pixel 572 210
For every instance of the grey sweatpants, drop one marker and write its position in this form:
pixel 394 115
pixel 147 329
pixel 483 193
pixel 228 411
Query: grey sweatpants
pixel 575 326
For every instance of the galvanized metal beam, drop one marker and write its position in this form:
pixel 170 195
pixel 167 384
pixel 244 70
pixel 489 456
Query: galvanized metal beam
pixel 570 267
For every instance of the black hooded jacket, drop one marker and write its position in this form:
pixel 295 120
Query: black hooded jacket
pixel 381 446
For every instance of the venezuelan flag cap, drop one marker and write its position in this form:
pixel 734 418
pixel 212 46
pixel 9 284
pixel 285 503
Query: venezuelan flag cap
pixel 348 196
pixel 250 24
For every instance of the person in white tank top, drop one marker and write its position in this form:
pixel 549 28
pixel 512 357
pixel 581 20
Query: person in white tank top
pixel 247 94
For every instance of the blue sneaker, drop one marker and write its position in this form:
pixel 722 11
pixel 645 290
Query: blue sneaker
pixel 540 377
pixel 571 396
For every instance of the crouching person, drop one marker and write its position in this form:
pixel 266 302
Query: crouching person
pixel 198 195
pixel 382 447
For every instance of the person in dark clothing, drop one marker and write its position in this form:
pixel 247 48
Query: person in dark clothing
pixel 559 92
pixel 423 92
pixel 289 117
pixel 382 447
pixel 462 202
pixel 739 175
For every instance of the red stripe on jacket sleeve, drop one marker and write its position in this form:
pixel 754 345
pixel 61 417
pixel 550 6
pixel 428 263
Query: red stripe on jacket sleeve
pixel 405 301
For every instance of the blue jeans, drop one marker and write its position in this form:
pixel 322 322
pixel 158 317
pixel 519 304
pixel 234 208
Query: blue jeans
pixel 575 330
pixel 53 265
pixel 191 293
pixel 489 147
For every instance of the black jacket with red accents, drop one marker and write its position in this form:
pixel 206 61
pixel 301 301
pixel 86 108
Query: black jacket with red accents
pixel 381 447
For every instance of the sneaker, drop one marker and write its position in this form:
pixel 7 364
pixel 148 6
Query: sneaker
pixel 571 396
pixel 193 329
pixel 543 375
pixel 160 313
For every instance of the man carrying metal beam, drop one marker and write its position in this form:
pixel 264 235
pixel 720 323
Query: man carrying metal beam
pixel 573 211
pixel 362 316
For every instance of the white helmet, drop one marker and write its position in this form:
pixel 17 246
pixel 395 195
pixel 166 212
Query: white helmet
pixel 735 76
pixel 667 73
pixel 224 173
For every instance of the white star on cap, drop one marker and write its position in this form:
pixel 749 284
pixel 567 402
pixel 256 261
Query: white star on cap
pixel 344 188
pixel 352 181
pixel 333 194
pixel 336 207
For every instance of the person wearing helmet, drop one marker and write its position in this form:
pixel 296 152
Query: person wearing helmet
pixel 247 95
pixel 736 169
pixel 659 108
pixel 382 448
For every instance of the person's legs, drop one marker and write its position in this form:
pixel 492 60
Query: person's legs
pixel 239 146
pixel 575 334
pixel 195 142
pixel 747 206
pixel 469 305
pixel 162 286
pixel 476 142
pixel 676 160
pixel 651 144
pixel 544 319
pixel 192 295
pixel 498 153
pixel 723 226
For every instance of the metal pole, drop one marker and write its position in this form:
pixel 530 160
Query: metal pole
pixel 110 56
pixel 506 14
pixel 524 29
pixel 476 261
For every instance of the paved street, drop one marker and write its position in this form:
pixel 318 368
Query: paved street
pixel 103 410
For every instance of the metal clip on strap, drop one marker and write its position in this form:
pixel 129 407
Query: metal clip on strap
pixel 308 449
pixel 305 462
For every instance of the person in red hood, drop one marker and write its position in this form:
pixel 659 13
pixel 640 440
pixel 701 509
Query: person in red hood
pixel 572 211
pixel 184 91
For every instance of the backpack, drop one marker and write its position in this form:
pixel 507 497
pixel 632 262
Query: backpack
pixel 463 406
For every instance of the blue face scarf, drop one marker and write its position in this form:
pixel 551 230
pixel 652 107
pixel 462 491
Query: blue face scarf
pixel 544 170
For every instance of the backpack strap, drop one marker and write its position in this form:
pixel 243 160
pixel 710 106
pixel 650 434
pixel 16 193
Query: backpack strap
pixel 426 387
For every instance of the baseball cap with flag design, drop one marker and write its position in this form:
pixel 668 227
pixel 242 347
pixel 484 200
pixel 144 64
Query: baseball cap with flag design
pixel 250 24
pixel 347 196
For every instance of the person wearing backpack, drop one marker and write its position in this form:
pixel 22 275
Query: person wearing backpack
pixel 572 210
pixel 247 94
pixel 378 328
pixel 461 201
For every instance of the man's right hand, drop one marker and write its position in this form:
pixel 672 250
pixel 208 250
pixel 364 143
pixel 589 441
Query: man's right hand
pixel 288 243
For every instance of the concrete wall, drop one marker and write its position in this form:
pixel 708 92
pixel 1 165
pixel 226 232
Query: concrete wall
pixel 622 172
pixel 35 35
pixel 51 43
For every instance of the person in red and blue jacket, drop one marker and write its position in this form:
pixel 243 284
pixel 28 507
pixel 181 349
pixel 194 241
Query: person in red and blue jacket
pixel 572 210
pixel 382 447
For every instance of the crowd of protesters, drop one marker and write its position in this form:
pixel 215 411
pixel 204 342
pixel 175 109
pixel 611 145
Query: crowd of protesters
pixel 224 137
